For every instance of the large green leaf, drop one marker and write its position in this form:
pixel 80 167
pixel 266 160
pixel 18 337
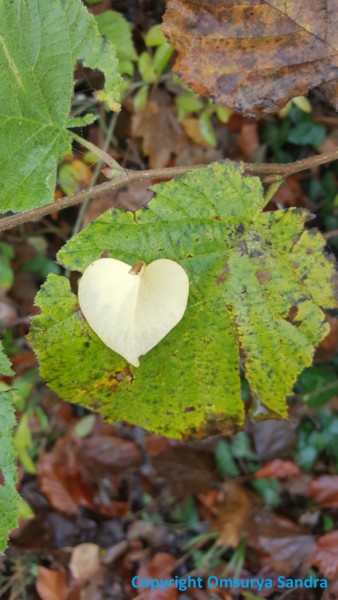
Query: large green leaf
pixel 40 42
pixel 9 497
pixel 257 282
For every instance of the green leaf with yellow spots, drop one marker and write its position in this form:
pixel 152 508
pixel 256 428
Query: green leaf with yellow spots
pixel 258 284
pixel 40 42
pixel 9 497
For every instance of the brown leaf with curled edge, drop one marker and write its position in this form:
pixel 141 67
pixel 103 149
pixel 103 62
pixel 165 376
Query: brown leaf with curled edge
pixel 254 55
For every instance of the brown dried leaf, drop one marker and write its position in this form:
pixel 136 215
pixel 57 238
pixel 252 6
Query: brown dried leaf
pixel 254 55
pixel 186 470
pixel 162 135
pixel 159 567
pixel 232 514
pixel 283 545
pixel 325 556
pixel 324 490
pixel 51 585
pixel 280 469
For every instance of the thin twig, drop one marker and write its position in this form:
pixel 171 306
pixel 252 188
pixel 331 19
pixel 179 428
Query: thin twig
pixel 102 154
pixel 129 177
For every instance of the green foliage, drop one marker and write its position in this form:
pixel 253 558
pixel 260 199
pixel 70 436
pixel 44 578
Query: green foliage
pixel 40 42
pixel 6 272
pixel 318 384
pixel 257 285
pixel 317 436
pixel 9 498
pixel 118 31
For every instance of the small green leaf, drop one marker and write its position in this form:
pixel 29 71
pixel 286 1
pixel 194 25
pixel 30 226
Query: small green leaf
pixel 154 37
pixel 206 127
pixel 187 104
pixel 40 42
pixel 223 114
pixel 146 67
pixel 23 444
pixel 162 57
pixel 118 31
pixel 140 98
pixel 225 463
pixel 257 285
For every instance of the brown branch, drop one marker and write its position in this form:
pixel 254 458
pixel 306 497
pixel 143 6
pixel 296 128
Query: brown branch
pixel 129 177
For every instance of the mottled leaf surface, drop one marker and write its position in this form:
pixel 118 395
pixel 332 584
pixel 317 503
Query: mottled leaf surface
pixel 40 42
pixel 255 55
pixel 9 498
pixel 257 285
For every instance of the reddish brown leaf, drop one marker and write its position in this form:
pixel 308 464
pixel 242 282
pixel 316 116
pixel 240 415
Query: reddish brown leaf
pixel 159 567
pixel 328 347
pixel 325 556
pixel 254 55
pixel 281 469
pixel 248 139
pixel 51 585
pixel 324 490
pixel 159 129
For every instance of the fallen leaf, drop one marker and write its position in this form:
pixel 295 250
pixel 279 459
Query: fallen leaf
pixel 325 556
pixel 328 347
pixel 280 469
pixel 185 469
pixel 248 139
pixel 85 562
pixel 51 584
pixel 231 513
pixel 282 544
pixel 324 490
pixel 162 135
pixel 290 193
pixel 254 56
pixel 272 439
pixel 159 567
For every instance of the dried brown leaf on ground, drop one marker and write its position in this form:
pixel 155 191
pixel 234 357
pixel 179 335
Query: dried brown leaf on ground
pixel 159 567
pixel 162 135
pixel 329 345
pixel 71 475
pixel 325 556
pixel 232 513
pixel 282 545
pixel 186 470
pixel 272 439
pixel 254 55
pixel 324 490
pixel 280 469
pixel 51 584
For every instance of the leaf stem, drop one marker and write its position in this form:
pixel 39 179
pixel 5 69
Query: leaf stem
pixel 127 177
pixel 102 154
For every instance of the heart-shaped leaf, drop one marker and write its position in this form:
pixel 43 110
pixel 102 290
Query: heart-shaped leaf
pixel 132 309
pixel 257 285
pixel 40 42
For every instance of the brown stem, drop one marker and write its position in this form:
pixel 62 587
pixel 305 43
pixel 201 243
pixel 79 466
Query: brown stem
pixel 129 177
